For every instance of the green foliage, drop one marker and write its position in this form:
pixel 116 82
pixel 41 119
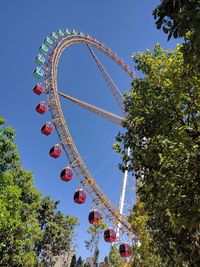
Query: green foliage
pixel 180 18
pixel 9 156
pixel 144 253
pixel 163 132
pixel 114 257
pixel 56 231
pixel 19 229
pixel 73 261
pixel 32 232
pixel 79 262
pixel 95 230
pixel 106 261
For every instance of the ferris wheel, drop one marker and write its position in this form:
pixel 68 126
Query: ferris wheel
pixel 46 70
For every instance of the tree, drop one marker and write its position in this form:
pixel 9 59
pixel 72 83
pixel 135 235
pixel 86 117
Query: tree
pixel 16 237
pixel 106 261
pixel 73 261
pixel 31 229
pixel 95 230
pixel 79 262
pixel 163 132
pixel 8 150
pixel 57 231
pixel 144 251
pixel 87 264
pixel 114 257
pixel 180 18
pixel 19 229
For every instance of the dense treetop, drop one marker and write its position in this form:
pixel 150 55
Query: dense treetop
pixel 163 131
pixel 181 19
pixel 32 231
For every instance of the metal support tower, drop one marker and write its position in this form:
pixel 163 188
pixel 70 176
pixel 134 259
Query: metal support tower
pixel 122 196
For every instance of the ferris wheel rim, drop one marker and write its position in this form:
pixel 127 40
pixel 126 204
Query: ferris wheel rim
pixel 65 137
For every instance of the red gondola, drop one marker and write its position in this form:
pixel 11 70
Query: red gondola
pixel 38 89
pixel 47 128
pixel 80 196
pixel 94 216
pixel 125 250
pixel 66 174
pixel 55 151
pixel 110 235
pixel 42 107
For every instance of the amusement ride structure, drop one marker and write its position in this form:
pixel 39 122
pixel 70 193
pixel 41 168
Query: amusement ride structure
pixel 47 60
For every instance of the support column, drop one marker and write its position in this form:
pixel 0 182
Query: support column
pixel 122 195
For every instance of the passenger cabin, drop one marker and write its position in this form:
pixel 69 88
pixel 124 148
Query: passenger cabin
pixel 41 107
pixel 48 41
pixel 56 151
pixel 66 174
pixel 44 49
pixel 67 32
pixel 94 216
pixel 38 73
pixel 54 36
pixel 38 89
pixel 60 33
pixel 125 250
pixel 47 128
pixel 73 32
pixel 80 196
pixel 40 59
pixel 110 235
pixel 81 34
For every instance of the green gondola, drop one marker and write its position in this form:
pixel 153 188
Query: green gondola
pixel 60 33
pixel 66 32
pixel 73 32
pixel 80 34
pixel 48 41
pixel 53 36
pixel 38 73
pixel 40 59
pixel 43 49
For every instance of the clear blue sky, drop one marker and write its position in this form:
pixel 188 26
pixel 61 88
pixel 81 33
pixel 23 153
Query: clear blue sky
pixel 125 27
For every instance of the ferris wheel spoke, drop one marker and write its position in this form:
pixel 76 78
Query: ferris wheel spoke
pixel 101 112
pixel 115 91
